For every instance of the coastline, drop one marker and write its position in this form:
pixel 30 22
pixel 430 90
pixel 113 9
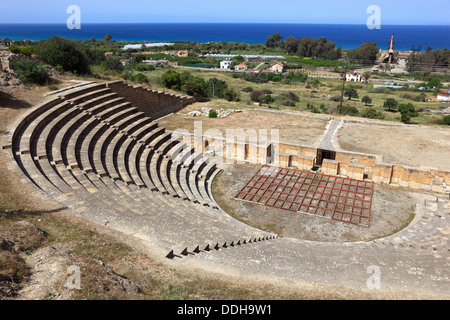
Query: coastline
pixel 346 36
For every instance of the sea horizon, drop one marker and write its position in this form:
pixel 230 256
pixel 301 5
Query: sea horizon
pixel 346 36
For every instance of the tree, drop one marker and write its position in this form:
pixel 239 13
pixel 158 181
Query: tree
pixel 390 104
pixel 268 99
pixel 351 93
pixel 291 45
pixel 318 48
pixel 367 100
pixel 407 111
pixel 171 79
pixel 107 37
pixel 366 53
pixel 195 87
pixel 65 54
pixel 274 41
pixel 434 83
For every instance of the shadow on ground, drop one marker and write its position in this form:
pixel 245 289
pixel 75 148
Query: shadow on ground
pixel 8 101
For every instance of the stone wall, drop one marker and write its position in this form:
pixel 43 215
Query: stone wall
pixel 349 164
pixel 154 104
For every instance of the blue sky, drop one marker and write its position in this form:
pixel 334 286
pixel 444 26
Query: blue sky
pixel 410 12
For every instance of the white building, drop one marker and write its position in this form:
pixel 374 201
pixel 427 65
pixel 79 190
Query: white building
pixel 354 76
pixel 442 97
pixel 226 64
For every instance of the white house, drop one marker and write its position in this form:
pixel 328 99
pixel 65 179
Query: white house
pixel 442 97
pixel 354 76
pixel 226 64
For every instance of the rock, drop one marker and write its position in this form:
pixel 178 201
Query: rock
pixel 195 113
pixel 206 110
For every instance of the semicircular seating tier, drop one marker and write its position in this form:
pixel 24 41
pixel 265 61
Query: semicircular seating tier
pixel 93 151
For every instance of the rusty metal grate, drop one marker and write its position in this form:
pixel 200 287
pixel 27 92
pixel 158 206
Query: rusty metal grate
pixel 337 198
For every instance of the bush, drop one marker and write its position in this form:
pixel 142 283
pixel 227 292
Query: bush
pixel 350 111
pixel 66 53
pixel 247 89
pixel 407 111
pixel 288 103
pixel 382 90
pixel 268 100
pixel 292 96
pixel 25 50
pixel 372 114
pixel 231 94
pixel 141 78
pixel 256 95
pixel 212 114
pixel 446 120
pixel 185 82
pixel 171 80
pixel 30 71
pixel 335 98
pixel 195 87
pixel 113 63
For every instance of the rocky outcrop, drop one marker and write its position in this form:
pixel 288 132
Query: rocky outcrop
pixel 7 76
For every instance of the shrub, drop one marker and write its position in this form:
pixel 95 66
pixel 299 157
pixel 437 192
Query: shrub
pixel 292 96
pixel 141 78
pixel 446 120
pixel 113 63
pixel 25 50
pixel 171 79
pixel 372 114
pixel 382 90
pixel 65 53
pixel 212 113
pixel 195 87
pixel 350 111
pixel 420 98
pixel 335 98
pixel 247 89
pixel 30 71
pixel 407 111
pixel 231 94
pixel 268 100
pixel 288 103
pixel 256 95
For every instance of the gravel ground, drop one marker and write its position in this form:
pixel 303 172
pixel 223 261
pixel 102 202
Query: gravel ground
pixel 408 145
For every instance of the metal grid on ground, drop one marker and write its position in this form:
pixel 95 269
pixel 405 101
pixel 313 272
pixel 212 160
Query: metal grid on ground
pixel 337 198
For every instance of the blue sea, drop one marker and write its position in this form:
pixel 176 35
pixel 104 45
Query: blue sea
pixel 345 36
